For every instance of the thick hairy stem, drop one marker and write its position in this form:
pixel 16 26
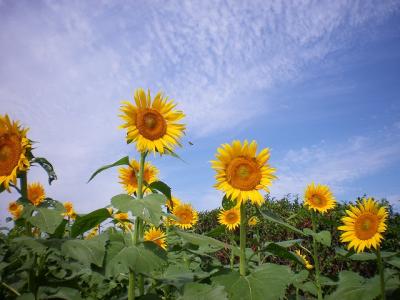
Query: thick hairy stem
pixel 24 194
pixel 316 261
pixel 242 268
pixel 381 274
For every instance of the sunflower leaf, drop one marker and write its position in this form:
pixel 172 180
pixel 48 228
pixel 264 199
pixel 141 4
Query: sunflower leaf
pixel 47 166
pixel 161 187
pixel 271 217
pixel 87 222
pixel 46 219
pixel 122 161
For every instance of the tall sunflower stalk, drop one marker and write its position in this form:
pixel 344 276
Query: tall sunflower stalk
pixel 316 258
pixel 242 266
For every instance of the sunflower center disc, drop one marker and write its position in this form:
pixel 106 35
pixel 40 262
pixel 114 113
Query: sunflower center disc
pixel 366 226
pixel 151 124
pixel 231 217
pixel 10 151
pixel 243 173
pixel 318 201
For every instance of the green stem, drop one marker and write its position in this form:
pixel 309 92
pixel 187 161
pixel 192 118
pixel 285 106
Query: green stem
pixel 24 194
pixel 381 274
pixel 10 288
pixel 242 267
pixel 131 288
pixel 232 258
pixel 315 256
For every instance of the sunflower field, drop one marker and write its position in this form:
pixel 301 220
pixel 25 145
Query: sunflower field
pixel 148 244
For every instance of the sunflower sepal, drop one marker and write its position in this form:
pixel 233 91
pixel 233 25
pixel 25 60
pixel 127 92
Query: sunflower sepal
pixel 120 162
pixel 323 237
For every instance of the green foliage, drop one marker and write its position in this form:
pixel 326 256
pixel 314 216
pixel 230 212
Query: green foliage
pixel 87 222
pixel 120 162
pixel 46 220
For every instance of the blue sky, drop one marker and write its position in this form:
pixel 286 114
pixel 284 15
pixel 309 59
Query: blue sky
pixel 316 81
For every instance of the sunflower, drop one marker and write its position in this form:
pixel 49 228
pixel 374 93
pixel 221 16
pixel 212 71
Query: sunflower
pixel 230 218
pixel 14 147
pixel 36 193
pixel 125 226
pixel 129 179
pixel 172 203
pixel 92 233
pixel 253 221
pixel 152 124
pixel 241 174
pixel 303 258
pixel 15 209
pixel 364 225
pixel 69 210
pixel 121 216
pixel 319 198
pixel 156 236
pixel 186 216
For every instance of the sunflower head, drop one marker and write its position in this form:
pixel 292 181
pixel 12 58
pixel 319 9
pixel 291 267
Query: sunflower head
pixel 303 258
pixel 156 236
pixel 128 176
pixel 92 233
pixel 230 218
pixel 36 193
pixel 69 210
pixel 172 203
pixel 319 198
pixel 185 215
pixel 364 225
pixel 121 216
pixel 253 221
pixel 15 209
pixel 152 124
pixel 14 149
pixel 241 172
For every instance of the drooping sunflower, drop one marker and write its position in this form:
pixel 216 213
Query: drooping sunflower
pixel 14 147
pixel 364 225
pixel 319 198
pixel 152 125
pixel 121 216
pixel 69 210
pixel 156 236
pixel 230 218
pixel 15 209
pixel 253 221
pixel 241 173
pixel 172 203
pixel 303 258
pixel 129 179
pixel 36 193
pixel 185 215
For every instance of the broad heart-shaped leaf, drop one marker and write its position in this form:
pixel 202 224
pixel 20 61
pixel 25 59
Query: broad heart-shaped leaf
pixel 47 220
pixel 352 286
pixel 86 251
pixel 322 237
pixel 267 282
pixel 47 166
pixel 275 219
pixel 281 252
pixel 205 243
pixel 143 258
pixel 122 161
pixel 161 187
pixel 87 222
pixel 198 291
pixel 149 208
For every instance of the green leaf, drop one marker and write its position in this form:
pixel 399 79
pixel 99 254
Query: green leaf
pixel 267 282
pixel 60 230
pixel 86 251
pixel 205 243
pixel 363 256
pixel 47 166
pixel 87 222
pixel 198 291
pixel 122 161
pixel 395 261
pixel 47 220
pixel 150 208
pixel 281 252
pixel 228 203
pixel 143 258
pixel 172 153
pixel 66 293
pixel 162 188
pixel 275 219
pixel 322 237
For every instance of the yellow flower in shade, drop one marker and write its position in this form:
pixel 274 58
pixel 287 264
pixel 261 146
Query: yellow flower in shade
pixel 14 147
pixel 230 218
pixel 69 210
pixel 253 221
pixel 364 224
pixel 152 125
pixel 172 203
pixel 125 226
pixel 15 209
pixel 186 216
pixel 36 193
pixel 121 216
pixel 319 198
pixel 241 173
pixel 92 233
pixel 303 258
pixel 128 176
pixel 110 210
pixel 157 236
